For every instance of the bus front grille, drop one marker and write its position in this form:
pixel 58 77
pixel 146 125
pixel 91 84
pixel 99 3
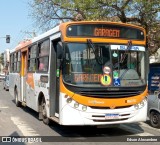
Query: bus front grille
pixel 118 107
pixel 111 120
pixel 109 94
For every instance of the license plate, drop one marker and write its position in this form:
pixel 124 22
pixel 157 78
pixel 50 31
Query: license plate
pixel 111 116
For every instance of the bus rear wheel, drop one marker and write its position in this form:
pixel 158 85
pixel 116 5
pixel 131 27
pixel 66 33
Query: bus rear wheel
pixel 155 119
pixel 18 103
pixel 46 120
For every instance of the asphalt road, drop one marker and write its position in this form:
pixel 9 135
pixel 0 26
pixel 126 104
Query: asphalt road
pixel 23 122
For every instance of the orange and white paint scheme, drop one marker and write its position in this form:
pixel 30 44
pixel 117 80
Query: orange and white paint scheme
pixel 94 73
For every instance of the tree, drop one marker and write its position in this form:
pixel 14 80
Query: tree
pixel 140 12
pixel 49 12
pixel 143 13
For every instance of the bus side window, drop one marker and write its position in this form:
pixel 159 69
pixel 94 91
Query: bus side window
pixel 43 64
pixel 32 58
pixel 43 55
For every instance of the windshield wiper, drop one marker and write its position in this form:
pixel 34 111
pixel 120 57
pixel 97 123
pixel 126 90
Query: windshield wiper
pixel 129 45
pixel 98 58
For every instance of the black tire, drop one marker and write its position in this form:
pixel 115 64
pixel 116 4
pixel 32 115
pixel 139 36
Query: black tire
pixel 46 120
pixel 155 119
pixel 18 103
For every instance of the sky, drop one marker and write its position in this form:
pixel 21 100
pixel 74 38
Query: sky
pixel 15 20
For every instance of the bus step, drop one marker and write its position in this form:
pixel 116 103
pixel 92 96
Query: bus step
pixel 24 104
pixel 55 119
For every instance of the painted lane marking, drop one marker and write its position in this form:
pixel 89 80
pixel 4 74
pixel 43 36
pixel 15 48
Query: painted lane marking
pixel 24 127
pixel 4 107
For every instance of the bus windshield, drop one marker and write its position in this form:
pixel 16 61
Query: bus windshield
pixel 104 65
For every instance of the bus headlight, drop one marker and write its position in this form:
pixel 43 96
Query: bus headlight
pixel 141 104
pixel 84 108
pixel 69 100
pixel 76 105
pixel 136 106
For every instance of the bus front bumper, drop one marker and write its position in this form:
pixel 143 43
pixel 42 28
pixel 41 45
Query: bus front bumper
pixel 76 116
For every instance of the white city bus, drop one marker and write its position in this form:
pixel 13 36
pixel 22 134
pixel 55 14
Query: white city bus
pixel 83 73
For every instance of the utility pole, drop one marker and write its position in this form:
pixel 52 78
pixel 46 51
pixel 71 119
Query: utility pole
pixel 32 34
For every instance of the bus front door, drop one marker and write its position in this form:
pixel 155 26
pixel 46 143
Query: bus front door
pixel 23 75
pixel 54 80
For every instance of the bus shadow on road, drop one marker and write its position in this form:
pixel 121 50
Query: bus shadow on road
pixel 94 131
pixel 28 110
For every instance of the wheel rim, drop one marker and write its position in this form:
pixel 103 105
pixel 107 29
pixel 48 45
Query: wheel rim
pixel 155 119
pixel 44 112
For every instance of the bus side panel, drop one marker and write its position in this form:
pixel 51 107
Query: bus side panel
pixel 30 91
pixel 11 84
pixel 14 82
pixel 35 87
pixel 41 90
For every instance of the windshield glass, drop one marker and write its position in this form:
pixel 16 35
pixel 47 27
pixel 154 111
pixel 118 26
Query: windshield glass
pixel 103 65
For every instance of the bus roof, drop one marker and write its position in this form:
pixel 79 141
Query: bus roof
pixel 62 27
pixel 23 44
pixel 46 34
pixel 102 22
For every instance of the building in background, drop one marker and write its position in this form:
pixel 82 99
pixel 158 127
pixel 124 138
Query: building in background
pixel 1 63
pixel 6 59
pixel 155 58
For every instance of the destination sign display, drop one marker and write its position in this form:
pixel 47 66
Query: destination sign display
pixel 105 79
pixel 87 77
pixel 105 30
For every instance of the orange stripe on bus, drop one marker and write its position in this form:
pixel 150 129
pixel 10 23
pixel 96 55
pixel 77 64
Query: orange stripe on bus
pixel 103 102
pixel 30 80
pixel 102 40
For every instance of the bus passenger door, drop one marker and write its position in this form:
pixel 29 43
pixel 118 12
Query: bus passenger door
pixel 54 80
pixel 23 75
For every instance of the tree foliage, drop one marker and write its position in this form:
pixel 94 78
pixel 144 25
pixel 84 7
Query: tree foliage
pixel 48 13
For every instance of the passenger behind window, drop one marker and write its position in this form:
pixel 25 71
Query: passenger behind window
pixel 43 64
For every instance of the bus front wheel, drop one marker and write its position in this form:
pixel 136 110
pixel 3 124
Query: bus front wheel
pixel 46 120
